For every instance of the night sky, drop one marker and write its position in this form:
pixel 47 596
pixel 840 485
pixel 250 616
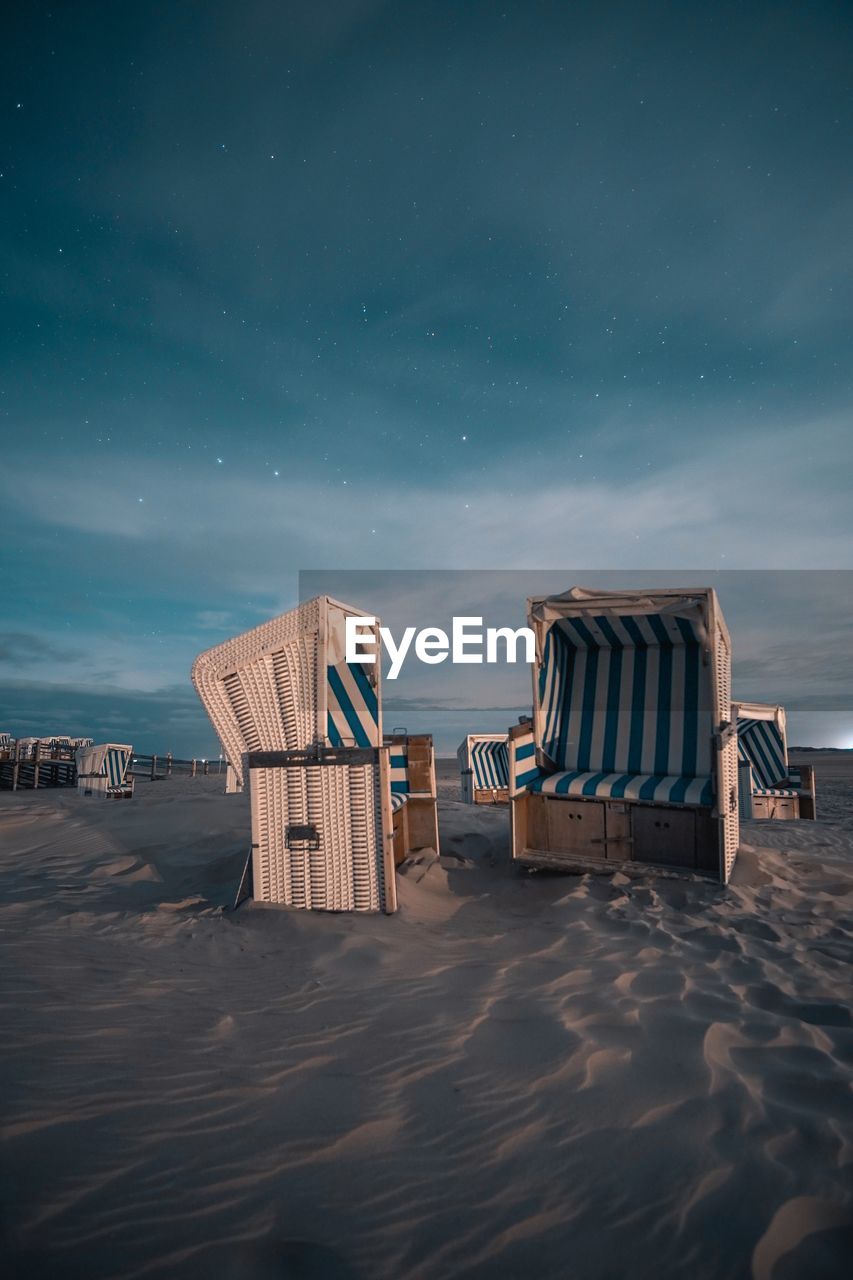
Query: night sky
pixel 371 285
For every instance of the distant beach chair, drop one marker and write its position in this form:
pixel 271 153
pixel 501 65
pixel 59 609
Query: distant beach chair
pixel 630 756
pixel 484 768
pixel 414 798
pixel 104 770
pixel 5 745
pixel 769 787
pixel 303 729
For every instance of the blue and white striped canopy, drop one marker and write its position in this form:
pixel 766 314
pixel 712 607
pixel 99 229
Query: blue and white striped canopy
pixel 626 695
pixel 760 743
pixel 107 760
pixel 353 707
pixel 490 764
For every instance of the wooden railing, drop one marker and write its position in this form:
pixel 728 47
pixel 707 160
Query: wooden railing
pixel 167 766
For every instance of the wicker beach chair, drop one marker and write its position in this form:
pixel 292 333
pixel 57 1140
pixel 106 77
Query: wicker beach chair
pixel 303 730
pixel 630 756
pixel 768 786
pixel 104 770
pixel 484 768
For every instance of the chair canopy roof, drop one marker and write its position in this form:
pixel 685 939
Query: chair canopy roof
pixel 286 685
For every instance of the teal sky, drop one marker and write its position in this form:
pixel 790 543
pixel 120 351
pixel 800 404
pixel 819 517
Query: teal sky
pixel 383 285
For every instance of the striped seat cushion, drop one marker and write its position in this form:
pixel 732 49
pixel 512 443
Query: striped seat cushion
pixel 669 789
pixel 397 801
pixel 777 791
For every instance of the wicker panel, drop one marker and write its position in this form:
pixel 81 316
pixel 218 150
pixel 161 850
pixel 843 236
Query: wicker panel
pixel 260 689
pixel 338 865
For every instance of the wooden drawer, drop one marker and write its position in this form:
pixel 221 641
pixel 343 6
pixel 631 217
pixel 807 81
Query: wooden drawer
pixel 775 807
pixel 664 836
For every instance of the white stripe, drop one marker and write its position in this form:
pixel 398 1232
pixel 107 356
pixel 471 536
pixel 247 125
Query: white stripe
pixel 626 694
pixel 650 703
pixel 575 719
pixel 599 720
pixel 678 701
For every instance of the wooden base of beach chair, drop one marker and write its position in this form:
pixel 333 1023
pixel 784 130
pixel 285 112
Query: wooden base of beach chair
pixel 559 831
pixel 779 807
pixel 807 807
pixel 415 827
pixel 100 786
pixel 422 822
pixel 401 835
pixel 804 775
pixel 492 795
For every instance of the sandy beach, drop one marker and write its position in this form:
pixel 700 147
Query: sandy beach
pixel 517 1075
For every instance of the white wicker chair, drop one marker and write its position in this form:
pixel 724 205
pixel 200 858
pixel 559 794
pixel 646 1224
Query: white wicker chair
pixel 303 729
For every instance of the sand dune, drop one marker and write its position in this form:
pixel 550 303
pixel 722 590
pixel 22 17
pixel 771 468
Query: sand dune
pixel 586 1077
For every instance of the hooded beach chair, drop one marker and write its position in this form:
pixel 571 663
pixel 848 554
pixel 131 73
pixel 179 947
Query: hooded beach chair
pixel 630 756
pixel 414 799
pixel 303 730
pixel 769 787
pixel 104 770
pixel 484 768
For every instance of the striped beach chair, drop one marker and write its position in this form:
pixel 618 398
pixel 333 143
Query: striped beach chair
pixel 303 730
pixel 630 756
pixel 104 770
pixel 414 799
pixel 484 768
pixel 769 787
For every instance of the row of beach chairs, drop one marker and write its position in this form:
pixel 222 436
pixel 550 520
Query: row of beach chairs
pixel 26 748
pixel 769 786
pixel 102 770
pixel 634 752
